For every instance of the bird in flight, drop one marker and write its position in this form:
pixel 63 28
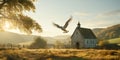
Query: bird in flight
pixel 63 27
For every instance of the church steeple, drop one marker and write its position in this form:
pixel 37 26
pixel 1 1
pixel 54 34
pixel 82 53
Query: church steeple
pixel 78 25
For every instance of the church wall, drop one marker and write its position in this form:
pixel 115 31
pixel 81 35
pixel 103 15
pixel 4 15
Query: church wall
pixel 77 38
pixel 90 43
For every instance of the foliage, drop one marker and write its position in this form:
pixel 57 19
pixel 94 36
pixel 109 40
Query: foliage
pixel 16 6
pixel 38 43
pixel 12 11
pixel 26 24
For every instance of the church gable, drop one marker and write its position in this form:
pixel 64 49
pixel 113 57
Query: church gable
pixel 76 33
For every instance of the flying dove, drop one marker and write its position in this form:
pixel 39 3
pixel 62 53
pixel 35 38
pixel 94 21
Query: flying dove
pixel 63 27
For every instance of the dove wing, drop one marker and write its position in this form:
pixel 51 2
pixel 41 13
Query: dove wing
pixel 56 25
pixel 66 24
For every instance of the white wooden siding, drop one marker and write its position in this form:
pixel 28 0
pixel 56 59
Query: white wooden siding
pixel 89 43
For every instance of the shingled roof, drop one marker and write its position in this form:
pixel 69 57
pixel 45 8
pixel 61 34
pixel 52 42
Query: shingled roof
pixel 86 33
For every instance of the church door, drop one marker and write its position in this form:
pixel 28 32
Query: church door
pixel 77 45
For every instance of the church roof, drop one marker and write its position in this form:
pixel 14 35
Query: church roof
pixel 86 33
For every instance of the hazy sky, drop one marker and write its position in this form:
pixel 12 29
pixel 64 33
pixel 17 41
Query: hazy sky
pixel 90 13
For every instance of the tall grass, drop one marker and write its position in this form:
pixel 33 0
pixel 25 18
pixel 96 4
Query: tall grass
pixel 59 54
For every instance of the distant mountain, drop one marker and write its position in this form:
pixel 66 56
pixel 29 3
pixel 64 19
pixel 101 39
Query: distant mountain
pixel 50 40
pixel 61 38
pixel 8 37
pixel 108 33
pixel 97 30
pixel 14 38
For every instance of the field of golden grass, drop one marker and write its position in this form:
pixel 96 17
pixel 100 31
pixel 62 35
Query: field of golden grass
pixel 59 54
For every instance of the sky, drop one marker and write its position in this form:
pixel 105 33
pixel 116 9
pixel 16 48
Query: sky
pixel 90 13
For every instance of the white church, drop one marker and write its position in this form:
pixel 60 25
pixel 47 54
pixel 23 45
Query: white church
pixel 83 38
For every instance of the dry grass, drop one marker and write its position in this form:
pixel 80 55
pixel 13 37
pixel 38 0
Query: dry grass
pixel 59 54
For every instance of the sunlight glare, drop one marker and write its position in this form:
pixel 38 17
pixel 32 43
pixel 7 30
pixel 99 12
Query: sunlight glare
pixel 6 25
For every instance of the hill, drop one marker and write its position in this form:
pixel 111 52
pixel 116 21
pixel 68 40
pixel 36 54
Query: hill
pixel 14 38
pixel 97 30
pixel 108 33
pixel 8 37
pixel 61 38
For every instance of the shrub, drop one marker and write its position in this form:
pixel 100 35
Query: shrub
pixel 38 43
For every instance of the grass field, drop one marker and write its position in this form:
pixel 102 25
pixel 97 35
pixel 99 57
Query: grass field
pixel 59 54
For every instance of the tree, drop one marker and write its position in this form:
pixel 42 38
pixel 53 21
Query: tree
pixel 12 11
pixel 38 43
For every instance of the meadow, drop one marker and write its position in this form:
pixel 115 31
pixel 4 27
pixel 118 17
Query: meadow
pixel 59 54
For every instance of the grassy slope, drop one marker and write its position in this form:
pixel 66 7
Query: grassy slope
pixel 116 40
pixel 59 54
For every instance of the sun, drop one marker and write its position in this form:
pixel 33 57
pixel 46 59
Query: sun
pixel 6 25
